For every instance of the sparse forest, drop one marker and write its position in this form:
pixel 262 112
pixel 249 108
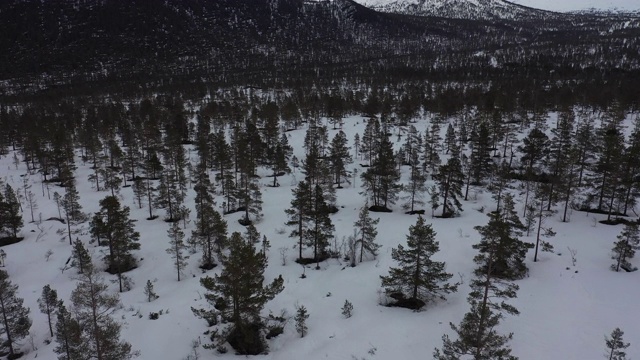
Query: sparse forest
pixel 230 206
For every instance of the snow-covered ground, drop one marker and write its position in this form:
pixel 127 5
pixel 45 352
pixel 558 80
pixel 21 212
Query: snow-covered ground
pixel 566 310
pixel 552 5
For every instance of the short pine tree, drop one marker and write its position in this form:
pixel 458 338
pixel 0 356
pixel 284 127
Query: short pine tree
pixel 149 292
pixel 616 345
pixel 366 227
pixel 626 246
pixel 347 309
pixel 80 256
pixel 239 295
pixel 14 317
pixel 177 248
pixel 48 304
pixel 301 320
pixel 418 278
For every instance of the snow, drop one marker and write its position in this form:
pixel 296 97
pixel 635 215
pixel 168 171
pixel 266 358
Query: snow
pixel 565 310
pixel 553 5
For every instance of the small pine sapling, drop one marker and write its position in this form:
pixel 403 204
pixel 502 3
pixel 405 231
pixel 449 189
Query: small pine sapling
pixel 301 320
pixel 616 345
pixel 347 309
pixel 149 293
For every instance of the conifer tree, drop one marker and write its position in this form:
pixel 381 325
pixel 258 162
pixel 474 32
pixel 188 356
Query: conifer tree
pixel 478 338
pixel 14 320
pixel 616 346
pixel 48 304
pixel 210 234
pixel 418 279
pixel 239 294
pixel 500 247
pixel 607 168
pixel 71 345
pixel 380 181
pixel 71 207
pixel 301 320
pixel 149 292
pixel 298 214
pixel 534 148
pixel 321 228
pixel 339 158
pixel 177 247
pixel 450 180
pixel 10 217
pixel 80 256
pixel 431 157
pixel 112 223
pixel 370 139
pixel 93 306
pixel 366 233
pixel 626 246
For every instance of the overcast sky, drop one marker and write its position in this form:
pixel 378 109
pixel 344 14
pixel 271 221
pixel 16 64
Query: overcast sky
pixel 568 5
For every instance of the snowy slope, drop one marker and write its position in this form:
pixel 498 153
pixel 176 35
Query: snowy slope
pixel 459 9
pixel 565 310
pixel 574 5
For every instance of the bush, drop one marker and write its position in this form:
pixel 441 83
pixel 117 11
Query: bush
pixel 154 316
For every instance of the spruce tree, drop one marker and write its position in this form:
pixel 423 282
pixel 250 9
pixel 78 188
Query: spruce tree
pixel 93 306
pixel 48 304
pixel 626 246
pixel 616 346
pixel 14 320
pixel 69 336
pixel 239 294
pixel 366 233
pixel 418 280
pixel 380 181
pixel 177 247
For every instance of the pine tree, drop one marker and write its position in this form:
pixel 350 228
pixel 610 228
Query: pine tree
pixel 71 345
pixel 149 292
pixel 500 247
pixel 366 233
pixel 321 228
pixel 239 294
pixel 10 217
pixel 616 345
pixel 626 246
pixel 370 140
pixel 477 335
pixel 14 322
pixel 301 320
pixel 298 213
pixel 93 306
pixel 450 180
pixel 419 279
pixel 607 168
pixel 210 234
pixel 177 247
pixel 534 148
pixel 71 207
pixel 339 158
pixel 48 304
pixel 380 181
pixel 416 187
pixel 112 223
pixel 80 256
pixel 347 309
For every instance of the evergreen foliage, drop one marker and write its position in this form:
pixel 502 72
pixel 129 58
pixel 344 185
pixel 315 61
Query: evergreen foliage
pixel 48 304
pixel 14 322
pixel 418 279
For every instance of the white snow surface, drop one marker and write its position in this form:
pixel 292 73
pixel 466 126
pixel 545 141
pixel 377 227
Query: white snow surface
pixel 552 5
pixel 566 310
